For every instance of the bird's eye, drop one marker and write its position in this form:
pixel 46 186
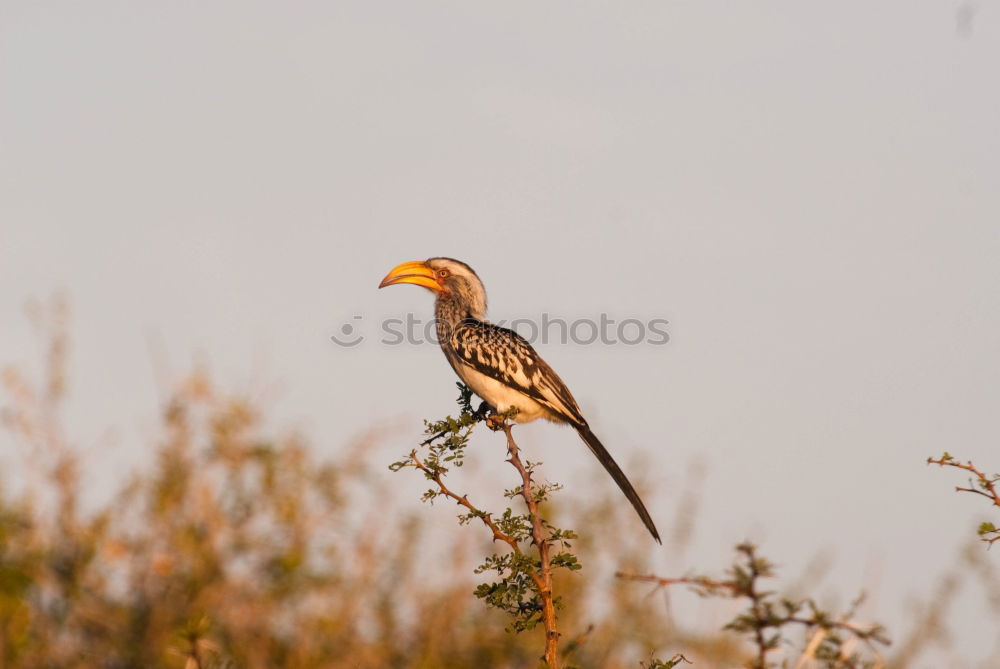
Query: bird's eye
pixel 443 273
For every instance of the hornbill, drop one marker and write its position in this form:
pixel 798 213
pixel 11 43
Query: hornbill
pixel 498 364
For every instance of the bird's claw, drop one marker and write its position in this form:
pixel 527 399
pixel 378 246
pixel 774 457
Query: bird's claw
pixel 489 415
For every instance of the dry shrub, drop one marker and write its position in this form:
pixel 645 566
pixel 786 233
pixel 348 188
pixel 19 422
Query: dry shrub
pixel 239 548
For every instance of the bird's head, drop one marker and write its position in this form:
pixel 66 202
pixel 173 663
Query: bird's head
pixel 447 278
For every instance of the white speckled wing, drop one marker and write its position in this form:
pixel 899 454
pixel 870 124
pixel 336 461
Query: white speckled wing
pixel 505 368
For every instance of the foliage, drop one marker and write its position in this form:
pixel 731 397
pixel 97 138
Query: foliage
pixel 665 664
pixel 236 545
pixel 767 619
pixel 522 587
pixel 986 485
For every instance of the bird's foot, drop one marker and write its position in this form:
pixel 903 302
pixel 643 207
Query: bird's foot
pixel 490 416
pixel 496 421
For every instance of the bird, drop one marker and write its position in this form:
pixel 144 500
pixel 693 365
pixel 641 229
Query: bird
pixel 499 365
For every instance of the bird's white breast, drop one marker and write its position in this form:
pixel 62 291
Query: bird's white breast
pixel 502 397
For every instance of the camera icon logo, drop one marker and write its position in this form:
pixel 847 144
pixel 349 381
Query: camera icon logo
pixel 350 335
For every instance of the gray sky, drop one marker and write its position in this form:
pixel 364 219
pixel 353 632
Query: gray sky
pixel 808 192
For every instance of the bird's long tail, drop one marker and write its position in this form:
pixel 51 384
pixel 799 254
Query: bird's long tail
pixel 597 448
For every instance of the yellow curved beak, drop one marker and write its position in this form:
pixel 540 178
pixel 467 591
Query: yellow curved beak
pixel 417 273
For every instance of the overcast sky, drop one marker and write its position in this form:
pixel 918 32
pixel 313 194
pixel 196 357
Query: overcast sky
pixel 809 193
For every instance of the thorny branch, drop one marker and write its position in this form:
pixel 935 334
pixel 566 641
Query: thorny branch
pixel 463 500
pixel 524 586
pixel 765 617
pixel 543 575
pixel 982 484
pixel 540 538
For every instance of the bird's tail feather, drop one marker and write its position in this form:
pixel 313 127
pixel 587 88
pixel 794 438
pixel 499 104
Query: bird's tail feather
pixel 597 448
